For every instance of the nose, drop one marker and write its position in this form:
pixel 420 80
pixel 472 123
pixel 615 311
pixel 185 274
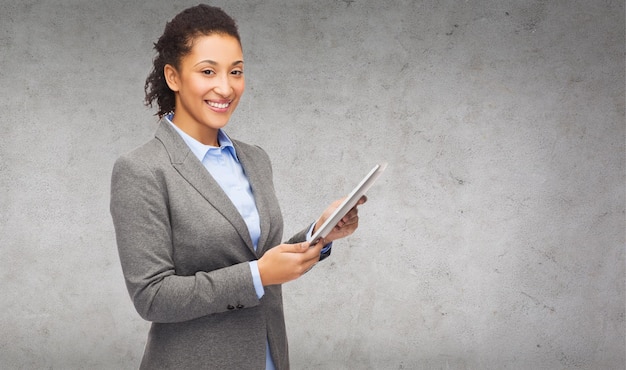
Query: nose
pixel 223 86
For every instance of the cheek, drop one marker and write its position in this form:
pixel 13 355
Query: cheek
pixel 200 87
pixel 196 86
pixel 240 86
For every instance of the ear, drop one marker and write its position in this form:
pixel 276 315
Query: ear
pixel 171 77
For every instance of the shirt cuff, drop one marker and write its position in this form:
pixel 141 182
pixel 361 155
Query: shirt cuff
pixel 256 279
pixel 309 234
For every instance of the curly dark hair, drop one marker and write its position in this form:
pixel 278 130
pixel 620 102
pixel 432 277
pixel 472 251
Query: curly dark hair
pixel 176 42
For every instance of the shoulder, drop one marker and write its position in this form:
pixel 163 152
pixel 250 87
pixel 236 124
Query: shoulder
pixel 144 161
pixel 150 153
pixel 148 150
pixel 165 147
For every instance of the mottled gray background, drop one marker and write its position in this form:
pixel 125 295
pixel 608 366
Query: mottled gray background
pixel 495 240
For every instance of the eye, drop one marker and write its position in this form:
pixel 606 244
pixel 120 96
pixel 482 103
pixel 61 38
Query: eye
pixel 208 72
pixel 237 72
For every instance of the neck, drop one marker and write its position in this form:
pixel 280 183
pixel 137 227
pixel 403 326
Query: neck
pixel 205 135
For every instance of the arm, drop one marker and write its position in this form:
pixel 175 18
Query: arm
pixel 288 262
pixel 139 208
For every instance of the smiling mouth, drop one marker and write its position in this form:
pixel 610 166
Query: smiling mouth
pixel 218 105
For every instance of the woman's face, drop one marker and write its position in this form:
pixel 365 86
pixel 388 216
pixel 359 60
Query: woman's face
pixel 208 85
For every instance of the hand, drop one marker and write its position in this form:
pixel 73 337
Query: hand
pixel 346 226
pixel 288 262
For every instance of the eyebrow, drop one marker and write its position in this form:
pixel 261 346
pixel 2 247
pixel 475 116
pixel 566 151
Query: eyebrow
pixel 212 62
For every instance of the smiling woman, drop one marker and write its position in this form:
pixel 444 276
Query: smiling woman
pixel 197 222
pixel 208 84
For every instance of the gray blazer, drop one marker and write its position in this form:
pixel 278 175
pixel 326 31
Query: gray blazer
pixel 184 250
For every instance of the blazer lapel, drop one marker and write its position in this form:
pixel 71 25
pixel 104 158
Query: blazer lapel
pixel 192 170
pixel 259 184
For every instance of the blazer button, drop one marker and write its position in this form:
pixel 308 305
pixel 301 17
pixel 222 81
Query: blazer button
pixel 240 306
pixel 231 307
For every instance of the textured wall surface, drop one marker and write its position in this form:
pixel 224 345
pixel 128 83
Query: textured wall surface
pixel 495 240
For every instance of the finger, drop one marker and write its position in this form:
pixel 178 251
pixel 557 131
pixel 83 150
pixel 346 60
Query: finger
pixel 353 219
pixel 309 261
pixel 349 218
pixel 298 247
pixel 353 212
pixel 314 257
pixel 309 268
pixel 319 245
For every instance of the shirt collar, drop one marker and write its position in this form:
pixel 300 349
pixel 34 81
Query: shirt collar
pixel 200 150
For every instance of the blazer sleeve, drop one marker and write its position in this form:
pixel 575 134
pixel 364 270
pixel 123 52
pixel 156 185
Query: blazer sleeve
pixel 139 209
pixel 299 237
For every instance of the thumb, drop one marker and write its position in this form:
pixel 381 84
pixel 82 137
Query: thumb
pixel 300 247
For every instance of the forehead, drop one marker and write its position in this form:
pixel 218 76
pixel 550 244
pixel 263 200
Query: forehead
pixel 216 47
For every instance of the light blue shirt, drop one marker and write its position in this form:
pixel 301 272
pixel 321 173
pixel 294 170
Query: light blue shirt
pixel 223 165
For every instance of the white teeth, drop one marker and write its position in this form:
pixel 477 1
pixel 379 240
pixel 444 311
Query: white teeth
pixel 218 105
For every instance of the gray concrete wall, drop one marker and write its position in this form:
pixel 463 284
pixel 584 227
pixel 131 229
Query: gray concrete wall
pixel 495 240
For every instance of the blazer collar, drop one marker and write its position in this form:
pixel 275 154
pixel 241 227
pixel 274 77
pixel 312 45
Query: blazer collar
pixel 192 170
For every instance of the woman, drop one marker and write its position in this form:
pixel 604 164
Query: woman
pixel 197 222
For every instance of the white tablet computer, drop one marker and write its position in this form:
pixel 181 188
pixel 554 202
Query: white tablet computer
pixel 348 203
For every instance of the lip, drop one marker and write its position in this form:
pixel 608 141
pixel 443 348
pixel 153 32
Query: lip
pixel 218 105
